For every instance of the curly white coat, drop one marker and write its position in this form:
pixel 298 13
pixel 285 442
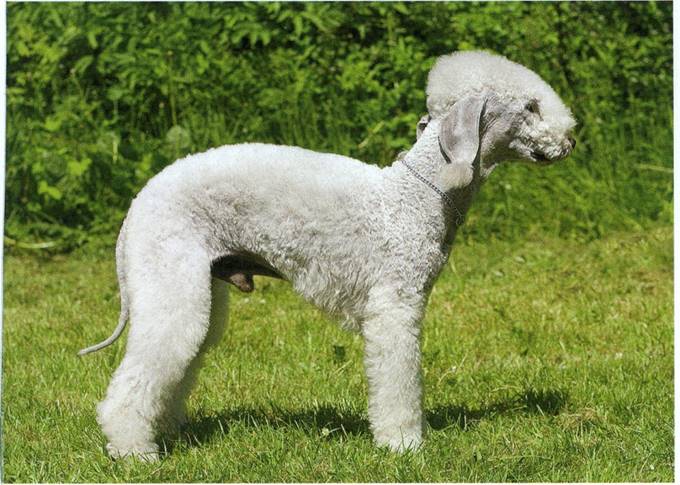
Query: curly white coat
pixel 364 244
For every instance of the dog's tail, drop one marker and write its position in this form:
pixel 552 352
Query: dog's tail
pixel 122 286
pixel 114 336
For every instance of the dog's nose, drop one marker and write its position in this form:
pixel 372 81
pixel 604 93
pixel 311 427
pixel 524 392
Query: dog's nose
pixel 572 141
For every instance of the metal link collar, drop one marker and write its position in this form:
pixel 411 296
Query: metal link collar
pixel 460 218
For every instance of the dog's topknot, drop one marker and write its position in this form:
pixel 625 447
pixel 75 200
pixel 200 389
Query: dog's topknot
pixel 460 74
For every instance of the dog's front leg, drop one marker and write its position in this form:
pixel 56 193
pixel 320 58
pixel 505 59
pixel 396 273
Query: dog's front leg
pixel 392 362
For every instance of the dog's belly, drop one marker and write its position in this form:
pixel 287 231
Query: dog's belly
pixel 320 287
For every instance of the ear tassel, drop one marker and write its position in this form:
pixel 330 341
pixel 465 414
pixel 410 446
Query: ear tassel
pixel 459 142
pixel 454 176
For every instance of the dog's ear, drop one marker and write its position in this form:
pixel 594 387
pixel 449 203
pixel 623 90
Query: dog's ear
pixel 422 124
pixel 459 142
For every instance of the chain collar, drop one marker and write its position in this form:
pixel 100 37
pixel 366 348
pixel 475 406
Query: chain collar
pixel 460 218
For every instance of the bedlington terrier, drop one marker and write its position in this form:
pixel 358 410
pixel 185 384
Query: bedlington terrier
pixel 362 243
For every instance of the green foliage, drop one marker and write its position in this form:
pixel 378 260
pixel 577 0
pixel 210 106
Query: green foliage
pixel 101 96
pixel 559 369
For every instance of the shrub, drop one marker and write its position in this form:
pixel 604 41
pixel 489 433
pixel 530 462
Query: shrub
pixel 101 96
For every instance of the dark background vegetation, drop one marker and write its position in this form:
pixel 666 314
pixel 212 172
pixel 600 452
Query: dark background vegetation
pixel 103 96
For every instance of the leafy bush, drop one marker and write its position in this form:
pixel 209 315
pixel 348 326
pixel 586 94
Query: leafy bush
pixel 101 96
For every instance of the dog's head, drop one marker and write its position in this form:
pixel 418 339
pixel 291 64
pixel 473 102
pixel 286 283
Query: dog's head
pixel 489 106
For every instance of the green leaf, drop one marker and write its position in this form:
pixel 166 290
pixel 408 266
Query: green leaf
pixel 50 191
pixel 92 39
pixel 82 64
pixel 77 168
pixel 114 93
pixel 178 136
pixel 52 123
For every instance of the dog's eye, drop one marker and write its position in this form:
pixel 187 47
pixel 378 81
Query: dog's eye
pixel 532 107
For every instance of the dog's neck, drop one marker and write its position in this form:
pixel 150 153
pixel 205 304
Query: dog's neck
pixel 427 159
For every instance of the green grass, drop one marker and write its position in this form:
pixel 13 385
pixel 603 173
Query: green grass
pixel 544 360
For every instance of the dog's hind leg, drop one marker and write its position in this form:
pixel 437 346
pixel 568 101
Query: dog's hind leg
pixel 218 323
pixel 170 296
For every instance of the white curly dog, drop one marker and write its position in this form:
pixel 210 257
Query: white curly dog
pixel 362 243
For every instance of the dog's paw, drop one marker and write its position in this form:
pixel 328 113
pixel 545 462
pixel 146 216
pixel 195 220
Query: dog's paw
pixel 145 452
pixel 401 444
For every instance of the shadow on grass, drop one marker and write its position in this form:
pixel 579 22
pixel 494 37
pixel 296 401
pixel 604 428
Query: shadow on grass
pixel 529 401
pixel 335 422
pixel 322 421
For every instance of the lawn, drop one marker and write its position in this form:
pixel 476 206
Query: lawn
pixel 544 360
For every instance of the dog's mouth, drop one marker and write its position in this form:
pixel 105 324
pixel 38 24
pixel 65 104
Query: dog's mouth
pixel 541 159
